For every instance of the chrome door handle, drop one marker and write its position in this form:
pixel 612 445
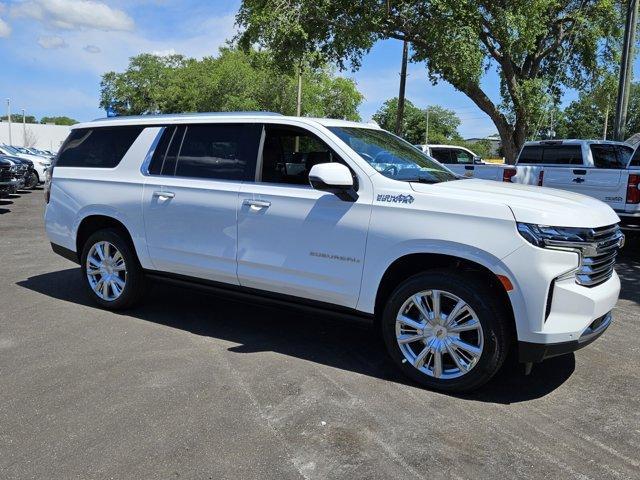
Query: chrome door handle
pixel 162 194
pixel 256 203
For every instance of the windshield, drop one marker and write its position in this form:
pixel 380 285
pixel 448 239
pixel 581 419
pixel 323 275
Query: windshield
pixel 10 149
pixel 392 156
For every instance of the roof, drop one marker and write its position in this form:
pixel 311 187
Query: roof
pixel 216 117
pixel 574 141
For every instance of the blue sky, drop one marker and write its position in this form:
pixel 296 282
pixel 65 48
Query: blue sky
pixel 53 53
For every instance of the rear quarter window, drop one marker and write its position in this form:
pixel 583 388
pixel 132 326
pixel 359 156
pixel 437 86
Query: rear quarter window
pixel 101 147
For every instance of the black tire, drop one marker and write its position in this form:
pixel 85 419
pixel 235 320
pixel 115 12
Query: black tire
pixel 33 181
pixel 475 292
pixel 135 279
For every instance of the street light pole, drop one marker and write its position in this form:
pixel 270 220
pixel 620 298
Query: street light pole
pixel 9 118
pixel 626 71
pixel 24 130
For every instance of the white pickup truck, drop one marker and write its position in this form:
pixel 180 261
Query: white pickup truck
pixel 608 171
pixel 465 163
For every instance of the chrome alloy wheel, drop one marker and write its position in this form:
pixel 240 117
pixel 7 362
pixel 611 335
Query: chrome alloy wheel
pixel 439 334
pixel 106 271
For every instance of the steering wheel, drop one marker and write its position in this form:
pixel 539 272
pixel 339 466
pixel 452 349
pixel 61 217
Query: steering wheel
pixel 368 157
pixel 391 170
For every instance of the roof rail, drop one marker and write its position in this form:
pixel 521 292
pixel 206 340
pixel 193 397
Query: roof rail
pixel 187 115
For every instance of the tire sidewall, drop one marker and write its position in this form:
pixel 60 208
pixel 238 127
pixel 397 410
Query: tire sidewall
pixel 134 271
pixel 479 298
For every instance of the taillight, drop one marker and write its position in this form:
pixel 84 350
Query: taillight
pixel 633 189
pixel 508 174
pixel 540 178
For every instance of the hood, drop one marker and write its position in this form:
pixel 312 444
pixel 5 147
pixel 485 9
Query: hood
pixel 33 158
pixel 530 204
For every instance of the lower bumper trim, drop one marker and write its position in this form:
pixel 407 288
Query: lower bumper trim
pixel 537 352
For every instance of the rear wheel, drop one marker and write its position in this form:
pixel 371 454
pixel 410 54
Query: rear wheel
pixel 446 331
pixel 111 271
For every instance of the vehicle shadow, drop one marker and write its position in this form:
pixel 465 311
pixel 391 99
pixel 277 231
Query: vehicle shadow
pixel 4 203
pixel 628 268
pixel 312 337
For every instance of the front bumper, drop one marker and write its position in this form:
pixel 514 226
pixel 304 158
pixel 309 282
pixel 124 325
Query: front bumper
pixel 629 221
pixel 536 352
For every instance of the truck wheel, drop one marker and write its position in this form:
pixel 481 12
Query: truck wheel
pixel 111 271
pixel 446 330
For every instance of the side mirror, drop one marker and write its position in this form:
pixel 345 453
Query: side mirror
pixel 334 178
pixel 477 160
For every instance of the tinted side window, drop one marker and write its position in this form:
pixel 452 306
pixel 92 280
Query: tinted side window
pixel 624 154
pixel 101 147
pixel 562 155
pixel 443 155
pixel 635 160
pixel 226 152
pixel 461 157
pixel 531 154
pixel 289 153
pixel 607 156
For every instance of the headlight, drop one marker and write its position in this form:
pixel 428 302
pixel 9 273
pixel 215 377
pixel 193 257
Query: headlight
pixel 546 236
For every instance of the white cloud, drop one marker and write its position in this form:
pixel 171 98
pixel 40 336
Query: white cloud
pixel 92 49
pixel 52 42
pixel 164 53
pixel 5 29
pixel 74 14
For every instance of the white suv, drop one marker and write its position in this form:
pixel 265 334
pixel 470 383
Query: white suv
pixel 454 271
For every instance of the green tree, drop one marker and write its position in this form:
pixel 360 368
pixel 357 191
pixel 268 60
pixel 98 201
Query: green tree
pixel 586 117
pixel 443 123
pixel 58 120
pixel 235 80
pixel 17 118
pixel 537 47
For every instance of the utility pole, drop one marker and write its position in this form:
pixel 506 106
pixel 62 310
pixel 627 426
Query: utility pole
pixel 606 122
pixel 24 130
pixel 403 85
pixel 299 99
pixel 426 133
pixel 626 71
pixel 9 118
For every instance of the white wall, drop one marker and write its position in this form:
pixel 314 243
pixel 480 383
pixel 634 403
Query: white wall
pixel 47 137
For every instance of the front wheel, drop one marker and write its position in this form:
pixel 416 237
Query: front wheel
pixel 32 181
pixel 111 271
pixel 446 330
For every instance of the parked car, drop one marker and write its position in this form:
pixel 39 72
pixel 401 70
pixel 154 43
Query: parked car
pixel 291 210
pixel 8 184
pixel 608 171
pixel 28 177
pixel 40 164
pixel 464 162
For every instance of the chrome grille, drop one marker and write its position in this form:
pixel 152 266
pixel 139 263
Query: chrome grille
pixel 601 247
pixel 5 174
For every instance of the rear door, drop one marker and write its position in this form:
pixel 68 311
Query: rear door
pixel 605 181
pixel 563 166
pixel 191 196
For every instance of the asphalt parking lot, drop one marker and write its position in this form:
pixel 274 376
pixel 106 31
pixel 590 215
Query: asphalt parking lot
pixel 195 386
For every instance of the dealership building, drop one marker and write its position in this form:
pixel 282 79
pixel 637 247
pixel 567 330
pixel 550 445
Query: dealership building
pixel 44 137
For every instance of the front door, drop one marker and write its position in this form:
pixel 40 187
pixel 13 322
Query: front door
pixel 191 196
pixel 295 240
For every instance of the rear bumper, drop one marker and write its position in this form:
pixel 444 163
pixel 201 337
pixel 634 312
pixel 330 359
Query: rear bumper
pixel 537 352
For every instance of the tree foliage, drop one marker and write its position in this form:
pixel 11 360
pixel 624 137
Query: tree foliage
pixel 58 120
pixel 235 80
pixel 443 123
pixel 538 47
